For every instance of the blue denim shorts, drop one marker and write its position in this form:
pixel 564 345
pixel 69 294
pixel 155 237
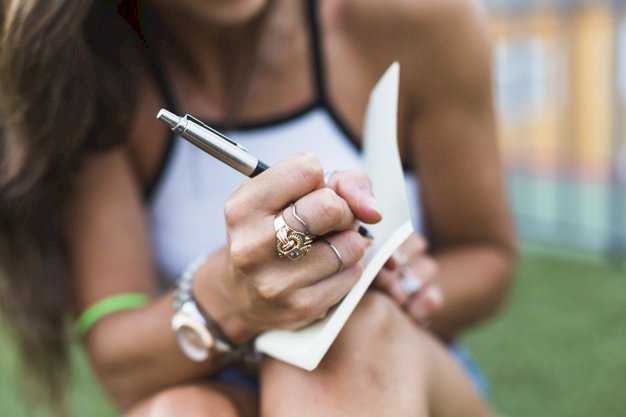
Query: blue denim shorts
pixel 479 381
pixel 238 377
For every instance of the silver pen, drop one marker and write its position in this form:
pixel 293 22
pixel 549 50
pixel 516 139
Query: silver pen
pixel 220 147
pixel 213 142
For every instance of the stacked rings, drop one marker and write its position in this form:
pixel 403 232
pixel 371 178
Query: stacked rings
pixel 289 242
pixel 293 244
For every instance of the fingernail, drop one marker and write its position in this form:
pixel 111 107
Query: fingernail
pixel 435 297
pixel 368 242
pixel 364 232
pixel 401 258
pixel 371 202
pixel 327 177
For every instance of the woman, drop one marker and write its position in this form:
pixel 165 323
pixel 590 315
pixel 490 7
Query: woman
pixel 132 207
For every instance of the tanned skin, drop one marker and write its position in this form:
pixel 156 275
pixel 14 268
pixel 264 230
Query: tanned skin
pixel 447 137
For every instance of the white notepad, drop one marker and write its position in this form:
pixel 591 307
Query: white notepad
pixel 306 347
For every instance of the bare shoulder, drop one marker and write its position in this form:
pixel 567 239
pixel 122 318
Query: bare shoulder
pixel 443 37
pixel 426 18
pixel 412 11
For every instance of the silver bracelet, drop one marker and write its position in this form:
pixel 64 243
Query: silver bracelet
pixel 184 283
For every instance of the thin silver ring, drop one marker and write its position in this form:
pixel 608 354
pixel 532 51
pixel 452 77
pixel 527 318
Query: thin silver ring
pixel 327 177
pixel 334 248
pixel 410 282
pixel 300 219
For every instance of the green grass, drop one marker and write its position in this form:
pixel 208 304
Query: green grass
pixel 558 350
pixel 86 397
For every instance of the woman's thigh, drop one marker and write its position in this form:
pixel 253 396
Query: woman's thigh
pixel 199 400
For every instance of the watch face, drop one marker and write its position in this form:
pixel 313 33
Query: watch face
pixel 194 339
pixel 191 339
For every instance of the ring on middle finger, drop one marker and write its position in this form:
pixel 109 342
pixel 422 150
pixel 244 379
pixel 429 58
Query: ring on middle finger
pixel 290 243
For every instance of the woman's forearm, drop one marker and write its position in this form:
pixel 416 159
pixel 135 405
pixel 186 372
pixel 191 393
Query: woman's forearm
pixel 474 281
pixel 135 353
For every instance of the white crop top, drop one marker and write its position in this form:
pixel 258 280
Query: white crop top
pixel 186 204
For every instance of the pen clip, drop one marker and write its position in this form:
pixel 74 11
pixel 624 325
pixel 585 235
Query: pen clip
pixel 215 132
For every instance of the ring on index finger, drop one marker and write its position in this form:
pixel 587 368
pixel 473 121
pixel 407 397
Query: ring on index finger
pixel 289 242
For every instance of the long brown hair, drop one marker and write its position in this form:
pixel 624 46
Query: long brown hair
pixel 60 66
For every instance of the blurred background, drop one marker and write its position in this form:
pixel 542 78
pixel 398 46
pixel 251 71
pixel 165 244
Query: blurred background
pixel 559 347
pixel 560 82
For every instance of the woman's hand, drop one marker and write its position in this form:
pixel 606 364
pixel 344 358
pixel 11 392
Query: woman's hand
pixel 256 289
pixel 409 278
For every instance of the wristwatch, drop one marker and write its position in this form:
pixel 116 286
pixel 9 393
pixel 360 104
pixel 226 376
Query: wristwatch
pixel 199 337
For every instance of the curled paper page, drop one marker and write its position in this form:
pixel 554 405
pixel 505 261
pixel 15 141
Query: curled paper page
pixel 306 347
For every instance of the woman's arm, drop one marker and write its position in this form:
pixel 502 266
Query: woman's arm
pixel 453 145
pixel 245 286
pixel 447 136
pixel 109 247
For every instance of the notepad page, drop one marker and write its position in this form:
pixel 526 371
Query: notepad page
pixel 306 347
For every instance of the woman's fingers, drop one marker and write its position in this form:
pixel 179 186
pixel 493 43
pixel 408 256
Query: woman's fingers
pixel 322 211
pixel 428 298
pixel 273 190
pixel 410 280
pixel 423 267
pixel 300 292
pixel 425 303
pixel 389 281
pixel 414 245
pixel 286 277
pixel 356 189
pixel 406 271
pixel 317 210
pixel 283 291
pixel 313 302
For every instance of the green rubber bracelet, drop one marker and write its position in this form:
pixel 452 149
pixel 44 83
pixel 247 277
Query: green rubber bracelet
pixel 107 306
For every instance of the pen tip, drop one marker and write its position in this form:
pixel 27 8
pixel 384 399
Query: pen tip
pixel 168 118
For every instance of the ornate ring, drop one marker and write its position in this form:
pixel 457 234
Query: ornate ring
pixel 334 248
pixel 289 242
pixel 411 283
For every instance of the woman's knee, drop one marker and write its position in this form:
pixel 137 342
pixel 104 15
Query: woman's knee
pixel 372 368
pixel 380 328
pixel 196 400
pixel 376 316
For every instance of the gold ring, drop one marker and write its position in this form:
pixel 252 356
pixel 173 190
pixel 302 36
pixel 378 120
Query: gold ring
pixel 289 242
